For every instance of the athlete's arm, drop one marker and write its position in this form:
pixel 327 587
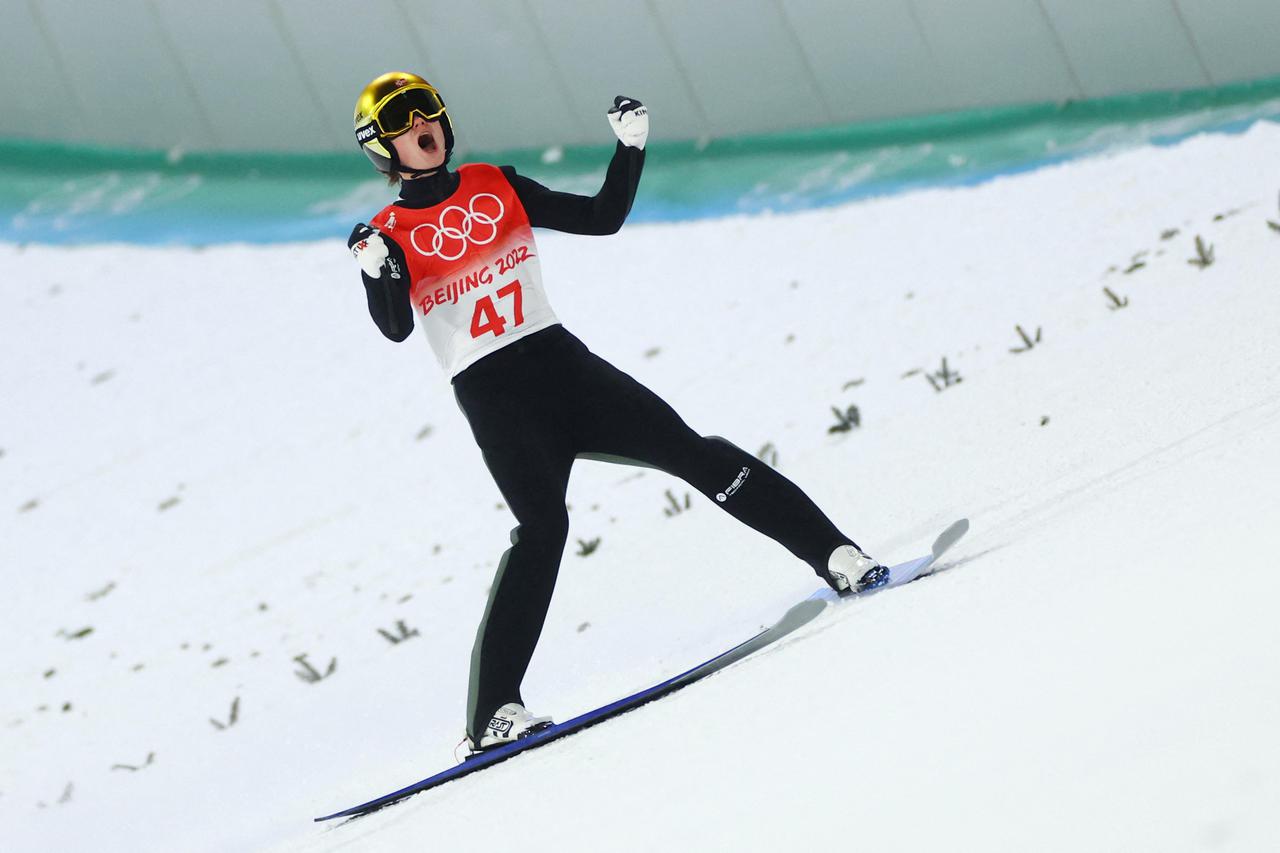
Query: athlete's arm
pixel 602 213
pixel 386 281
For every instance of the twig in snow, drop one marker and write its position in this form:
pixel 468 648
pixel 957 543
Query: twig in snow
pixel 1204 255
pixel 63 799
pixel 847 420
pixel 944 377
pixel 235 715
pixel 309 673
pixel 676 508
pixel 94 596
pixel 1116 302
pixel 587 548
pixel 133 768
pixel 1028 342
pixel 405 633
pixel 768 454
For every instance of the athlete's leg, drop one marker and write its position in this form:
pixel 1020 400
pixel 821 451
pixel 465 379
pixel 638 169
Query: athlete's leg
pixel 529 457
pixel 629 423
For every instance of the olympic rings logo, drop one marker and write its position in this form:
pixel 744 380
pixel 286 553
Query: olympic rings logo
pixel 457 228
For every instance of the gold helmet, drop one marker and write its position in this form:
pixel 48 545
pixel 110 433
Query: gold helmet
pixel 385 109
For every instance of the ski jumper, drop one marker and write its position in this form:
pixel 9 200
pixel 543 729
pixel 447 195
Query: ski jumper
pixel 536 398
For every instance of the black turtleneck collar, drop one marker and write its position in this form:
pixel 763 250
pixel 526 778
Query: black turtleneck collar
pixel 429 189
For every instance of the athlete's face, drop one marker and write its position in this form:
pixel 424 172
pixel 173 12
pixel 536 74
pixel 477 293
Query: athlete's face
pixel 421 146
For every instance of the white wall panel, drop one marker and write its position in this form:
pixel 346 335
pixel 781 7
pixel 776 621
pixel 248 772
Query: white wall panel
pixel 869 58
pixel 995 51
pixel 618 49
pixel 284 74
pixel 1238 39
pixel 146 85
pixel 1131 45
pixel 745 70
pixel 37 95
pixel 342 46
pixel 495 75
pixel 245 77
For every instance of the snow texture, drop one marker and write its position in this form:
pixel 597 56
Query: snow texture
pixel 211 464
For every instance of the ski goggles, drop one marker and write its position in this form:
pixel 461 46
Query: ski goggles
pixel 393 115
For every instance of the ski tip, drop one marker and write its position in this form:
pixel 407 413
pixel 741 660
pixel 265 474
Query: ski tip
pixel 950 536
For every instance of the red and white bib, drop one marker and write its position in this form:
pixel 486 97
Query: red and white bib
pixel 476 285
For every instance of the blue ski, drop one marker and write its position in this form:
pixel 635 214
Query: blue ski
pixel 799 615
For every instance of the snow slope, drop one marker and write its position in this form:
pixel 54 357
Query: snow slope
pixel 213 461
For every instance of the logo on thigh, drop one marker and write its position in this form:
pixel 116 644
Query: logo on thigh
pixel 734 486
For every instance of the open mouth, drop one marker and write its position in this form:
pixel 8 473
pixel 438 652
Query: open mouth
pixel 427 142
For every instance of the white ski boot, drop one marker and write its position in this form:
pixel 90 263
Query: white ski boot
pixel 509 724
pixel 853 571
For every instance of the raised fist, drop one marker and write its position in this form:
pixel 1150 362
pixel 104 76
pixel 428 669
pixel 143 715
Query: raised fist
pixel 630 121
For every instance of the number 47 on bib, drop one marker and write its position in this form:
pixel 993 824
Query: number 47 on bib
pixel 487 318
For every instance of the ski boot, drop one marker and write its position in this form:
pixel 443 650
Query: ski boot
pixel 509 724
pixel 852 571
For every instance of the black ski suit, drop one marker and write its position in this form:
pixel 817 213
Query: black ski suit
pixel 537 404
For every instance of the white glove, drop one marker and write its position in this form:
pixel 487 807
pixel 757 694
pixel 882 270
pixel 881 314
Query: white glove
pixel 630 121
pixel 371 253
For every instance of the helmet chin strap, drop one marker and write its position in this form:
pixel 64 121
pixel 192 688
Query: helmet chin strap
pixel 421 173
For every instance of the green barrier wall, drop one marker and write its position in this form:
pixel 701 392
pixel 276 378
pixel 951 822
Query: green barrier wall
pixel 67 195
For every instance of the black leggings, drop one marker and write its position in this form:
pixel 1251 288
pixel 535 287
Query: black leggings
pixel 536 405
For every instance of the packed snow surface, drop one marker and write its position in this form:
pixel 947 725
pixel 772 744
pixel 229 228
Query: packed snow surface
pixel 215 476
